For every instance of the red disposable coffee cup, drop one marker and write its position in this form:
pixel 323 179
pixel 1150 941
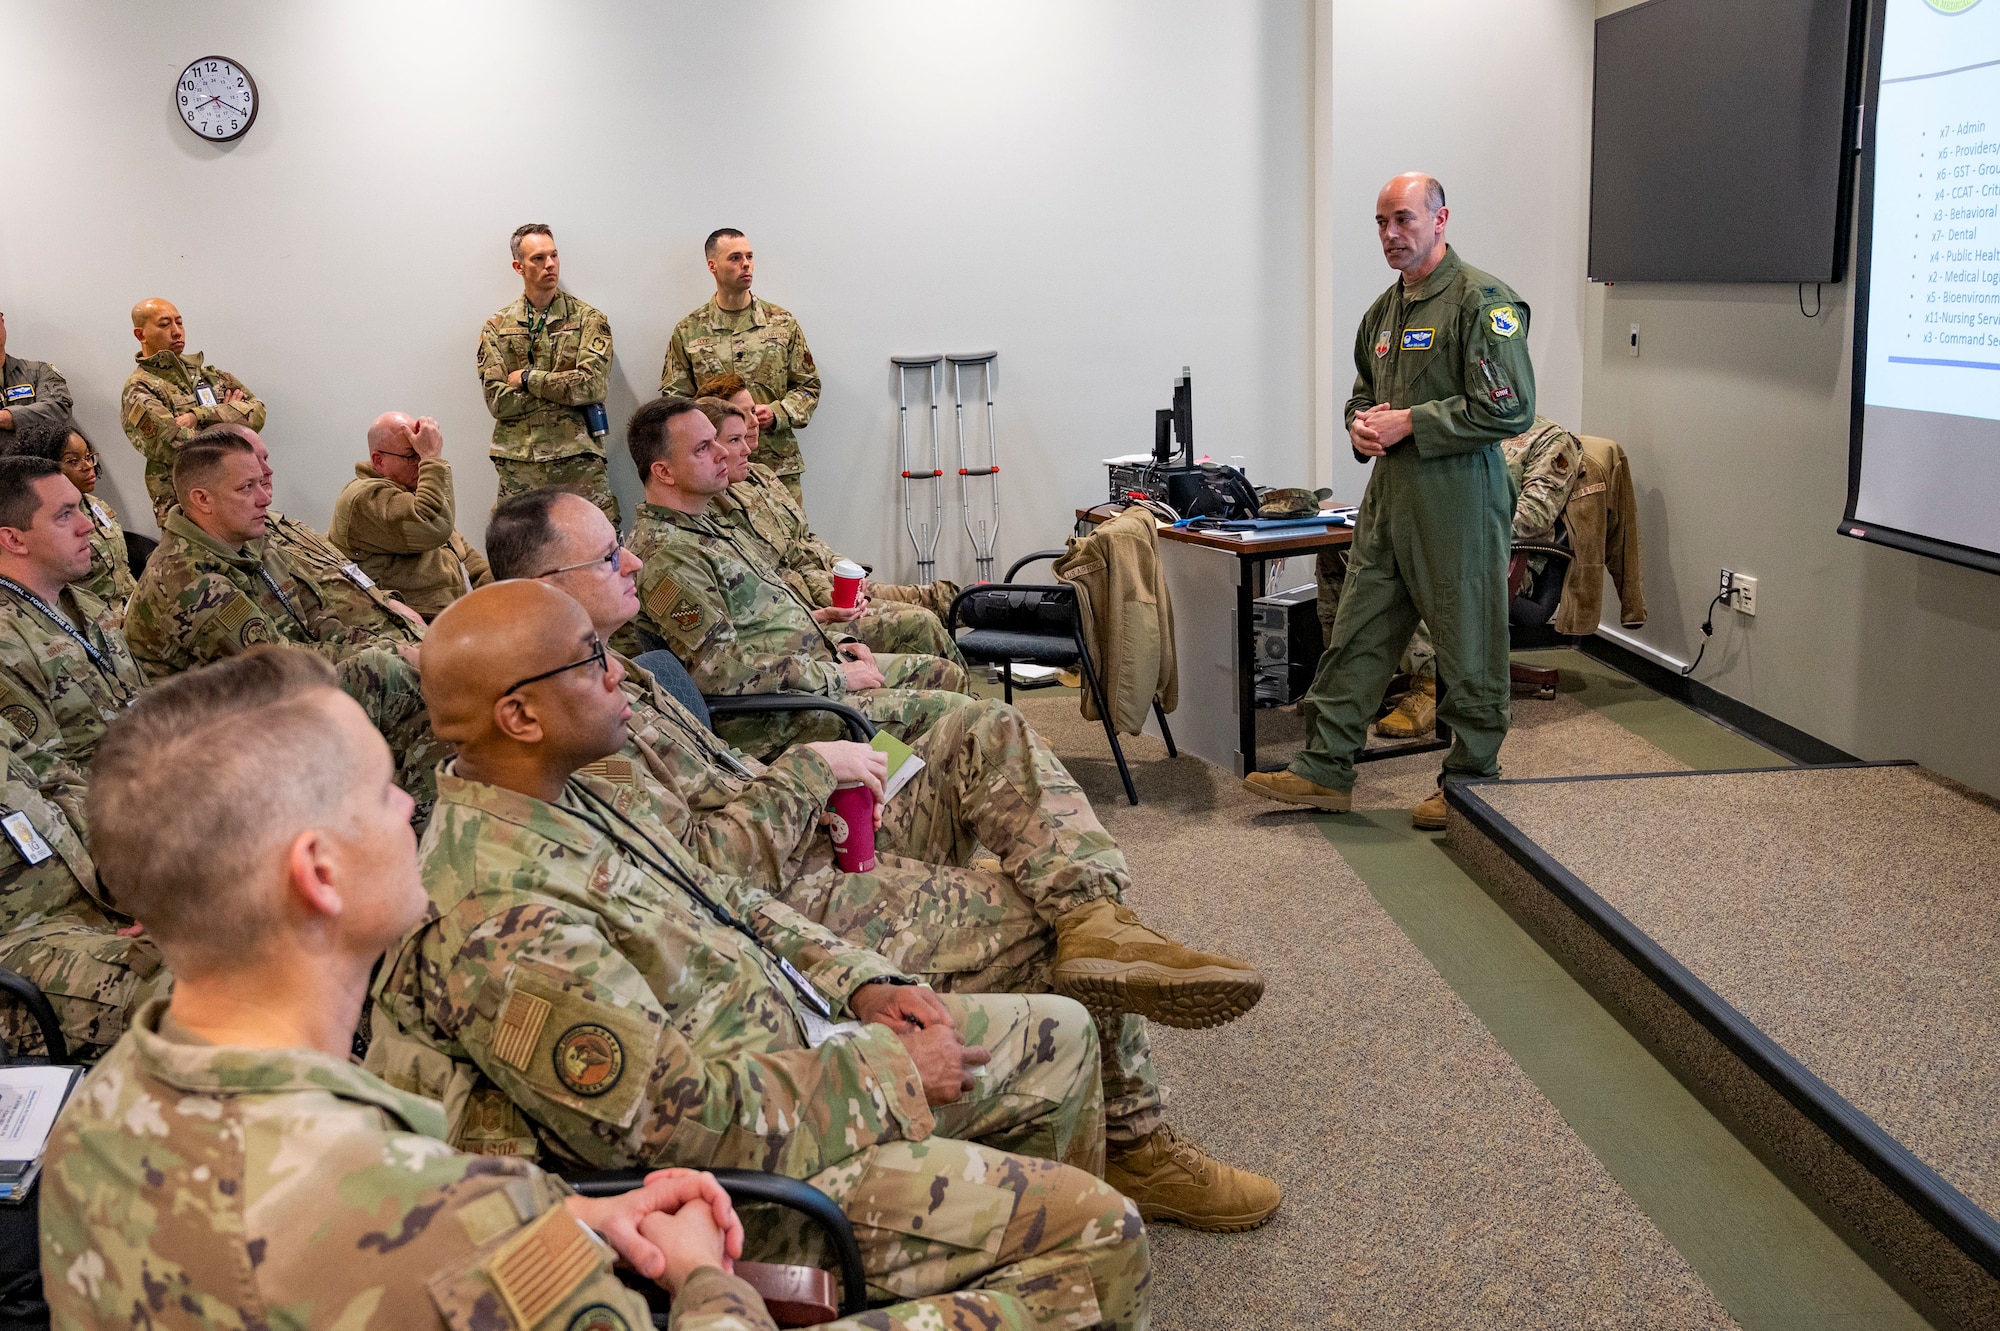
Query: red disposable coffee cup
pixel 852 819
pixel 847 579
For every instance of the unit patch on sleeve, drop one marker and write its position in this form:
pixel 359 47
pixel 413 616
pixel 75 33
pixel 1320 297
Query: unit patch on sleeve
pixel 1505 321
pixel 1418 339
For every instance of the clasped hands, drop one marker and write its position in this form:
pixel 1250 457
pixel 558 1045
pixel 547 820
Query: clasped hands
pixel 913 1011
pixel 1379 429
pixel 674 1223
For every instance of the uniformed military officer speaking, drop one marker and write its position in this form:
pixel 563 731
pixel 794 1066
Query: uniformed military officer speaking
pixel 1442 377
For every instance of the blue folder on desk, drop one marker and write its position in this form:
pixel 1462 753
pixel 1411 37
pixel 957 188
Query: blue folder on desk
pixel 1266 524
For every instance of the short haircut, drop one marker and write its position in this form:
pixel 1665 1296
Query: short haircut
pixel 715 237
pixel 646 432
pixel 44 438
pixel 1433 194
pixel 727 384
pixel 530 229
pixel 717 411
pixel 242 757
pixel 201 457
pixel 18 501
pixel 520 531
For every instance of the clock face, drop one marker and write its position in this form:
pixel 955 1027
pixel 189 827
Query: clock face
pixel 217 98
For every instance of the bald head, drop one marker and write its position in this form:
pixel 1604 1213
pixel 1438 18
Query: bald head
pixel 510 673
pixel 389 430
pixel 157 325
pixel 1410 216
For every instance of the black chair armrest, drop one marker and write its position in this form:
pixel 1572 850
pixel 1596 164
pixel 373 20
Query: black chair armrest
pixel 1548 548
pixel 859 728
pixel 749 1185
pixel 29 995
pixel 1026 560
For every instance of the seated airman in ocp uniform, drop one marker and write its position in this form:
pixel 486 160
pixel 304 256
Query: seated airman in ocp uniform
pixel 228 1165
pixel 58 929
pixel 586 988
pixel 762 511
pixel 221 583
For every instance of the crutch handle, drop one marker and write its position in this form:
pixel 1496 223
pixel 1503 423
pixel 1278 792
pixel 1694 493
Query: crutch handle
pixel 921 475
pixel 979 471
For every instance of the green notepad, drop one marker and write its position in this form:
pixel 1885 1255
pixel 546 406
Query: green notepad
pixel 903 762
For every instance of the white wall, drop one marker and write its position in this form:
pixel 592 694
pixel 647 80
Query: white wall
pixel 1735 415
pixel 1494 100
pixel 1103 192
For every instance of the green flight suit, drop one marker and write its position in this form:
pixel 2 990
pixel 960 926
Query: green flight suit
pixel 1431 539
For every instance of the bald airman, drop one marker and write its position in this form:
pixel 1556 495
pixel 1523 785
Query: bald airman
pixel 171 397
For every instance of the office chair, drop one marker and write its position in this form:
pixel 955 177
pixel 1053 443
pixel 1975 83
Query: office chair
pixel 660 662
pixel 1038 624
pixel 22 1307
pixel 1528 617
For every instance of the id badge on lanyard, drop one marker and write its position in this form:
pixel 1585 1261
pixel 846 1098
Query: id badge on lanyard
pixel 203 393
pixel 28 843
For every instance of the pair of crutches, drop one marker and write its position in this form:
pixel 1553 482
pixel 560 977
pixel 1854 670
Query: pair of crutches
pixel 984 531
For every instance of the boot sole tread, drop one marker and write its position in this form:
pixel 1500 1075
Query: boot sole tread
pixel 1153 1215
pixel 1188 1000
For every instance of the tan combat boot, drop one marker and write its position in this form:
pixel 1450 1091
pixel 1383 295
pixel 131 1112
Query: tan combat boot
pixel 1171 1179
pixel 1112 964
pixel 1289 788
pixel 1416 715
pixel 1430 815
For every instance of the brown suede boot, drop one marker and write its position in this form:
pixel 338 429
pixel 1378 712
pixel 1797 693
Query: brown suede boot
pixel 1415 715
pixel 1430 815
pixel 1114 965
pixel 1171 1179
pixel 1290 788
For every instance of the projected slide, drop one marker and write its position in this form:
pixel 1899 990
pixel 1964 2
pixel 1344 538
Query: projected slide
pixel 1930 463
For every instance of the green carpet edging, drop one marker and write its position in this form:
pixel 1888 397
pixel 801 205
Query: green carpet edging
pixel 1767 1256
pixel 1774 1263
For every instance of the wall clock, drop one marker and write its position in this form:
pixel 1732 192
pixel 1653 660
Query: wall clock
pixel 217 98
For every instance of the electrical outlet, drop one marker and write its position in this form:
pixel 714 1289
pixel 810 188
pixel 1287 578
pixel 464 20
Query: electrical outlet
pixel 1745 598
pixel 1728 581
pixel 1632 347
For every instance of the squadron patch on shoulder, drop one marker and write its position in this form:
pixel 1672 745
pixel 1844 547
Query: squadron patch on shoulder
pixel 1504 320
pixel 22 718
pixel 672 607
pixel 599 1317
pixel 589 1059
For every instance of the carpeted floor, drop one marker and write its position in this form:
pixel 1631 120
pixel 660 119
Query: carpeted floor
pixel 1848 912
pixel 1430 1184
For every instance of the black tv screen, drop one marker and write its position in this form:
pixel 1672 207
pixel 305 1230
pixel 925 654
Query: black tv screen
pixel 1721 141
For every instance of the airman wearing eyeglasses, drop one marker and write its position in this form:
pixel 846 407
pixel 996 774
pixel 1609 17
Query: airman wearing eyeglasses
pixel 395 518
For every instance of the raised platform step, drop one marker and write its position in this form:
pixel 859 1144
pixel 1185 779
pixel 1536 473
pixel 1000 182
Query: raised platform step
pixel 1813 949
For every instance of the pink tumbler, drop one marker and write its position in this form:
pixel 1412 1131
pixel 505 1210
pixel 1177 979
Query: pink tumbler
pixel 847 578
pixel 851 813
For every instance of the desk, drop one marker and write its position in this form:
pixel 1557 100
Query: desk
pixel 1237 752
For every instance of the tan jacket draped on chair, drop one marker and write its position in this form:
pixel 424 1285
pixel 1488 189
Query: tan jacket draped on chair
pixel 1128 619
pixel 1603 520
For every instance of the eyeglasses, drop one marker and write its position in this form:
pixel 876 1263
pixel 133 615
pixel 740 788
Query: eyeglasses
pixel 596 658
pixel 387 454
pixel 608 560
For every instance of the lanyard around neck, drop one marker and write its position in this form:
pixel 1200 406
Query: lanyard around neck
pixel 62 621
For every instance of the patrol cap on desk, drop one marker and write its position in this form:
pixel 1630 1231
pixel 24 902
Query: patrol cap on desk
pixel 1290 502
